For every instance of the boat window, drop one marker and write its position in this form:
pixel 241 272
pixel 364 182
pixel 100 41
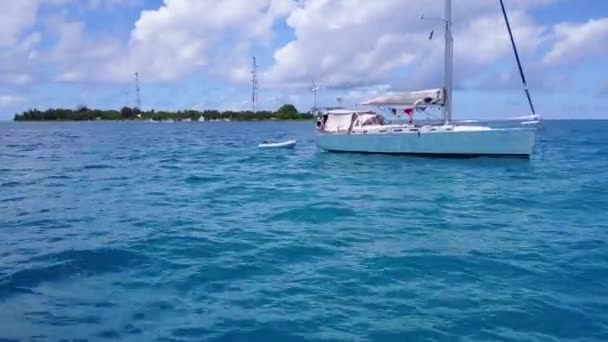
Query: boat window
pixel 371 121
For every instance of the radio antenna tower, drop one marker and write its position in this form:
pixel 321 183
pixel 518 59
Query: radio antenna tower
pixel 254 86
pixel 138 98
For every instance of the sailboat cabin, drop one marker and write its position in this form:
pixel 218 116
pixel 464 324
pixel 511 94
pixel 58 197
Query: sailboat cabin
pixel 345 121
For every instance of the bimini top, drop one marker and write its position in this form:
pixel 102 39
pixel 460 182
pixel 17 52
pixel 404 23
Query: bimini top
pixel 431 97
pixel 346 112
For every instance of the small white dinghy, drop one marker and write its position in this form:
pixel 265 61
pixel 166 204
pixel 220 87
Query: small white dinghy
pixel 282 144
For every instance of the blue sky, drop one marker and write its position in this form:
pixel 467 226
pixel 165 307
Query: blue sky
pixel 197 53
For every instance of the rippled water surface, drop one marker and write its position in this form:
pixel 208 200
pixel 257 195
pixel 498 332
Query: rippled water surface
pixel 188 232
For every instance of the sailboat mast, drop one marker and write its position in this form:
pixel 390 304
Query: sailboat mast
pixel 449 63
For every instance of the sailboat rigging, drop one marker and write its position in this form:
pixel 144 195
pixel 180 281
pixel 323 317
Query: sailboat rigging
pixel 521 70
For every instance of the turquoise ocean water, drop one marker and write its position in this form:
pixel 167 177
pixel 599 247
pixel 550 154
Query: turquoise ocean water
pixel 188 232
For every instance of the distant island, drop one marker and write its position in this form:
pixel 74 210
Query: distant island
pixel 83 113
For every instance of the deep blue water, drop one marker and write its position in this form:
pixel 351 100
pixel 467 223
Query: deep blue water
pixel 188 232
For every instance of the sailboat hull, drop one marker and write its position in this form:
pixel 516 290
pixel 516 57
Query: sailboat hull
pixel 513 142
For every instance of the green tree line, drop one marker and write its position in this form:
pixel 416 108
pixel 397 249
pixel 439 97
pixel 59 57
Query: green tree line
pixel 286 112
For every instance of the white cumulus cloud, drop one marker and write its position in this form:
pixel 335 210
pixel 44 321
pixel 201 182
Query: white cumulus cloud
pixel 184 35
pixel 16 16
pixel 10 100
pixel 20 40
pixel 346 42
pixel 576 42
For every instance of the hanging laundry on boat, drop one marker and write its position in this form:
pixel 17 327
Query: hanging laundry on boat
pixel 410 114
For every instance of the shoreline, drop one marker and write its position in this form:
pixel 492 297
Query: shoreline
pixel 286 112
pixel 161 121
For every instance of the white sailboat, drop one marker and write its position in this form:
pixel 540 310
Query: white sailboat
pixel 367 132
